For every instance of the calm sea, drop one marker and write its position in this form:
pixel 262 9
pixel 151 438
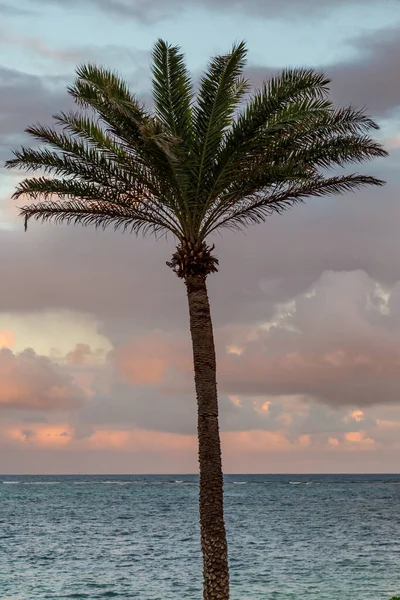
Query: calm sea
pixel 290 537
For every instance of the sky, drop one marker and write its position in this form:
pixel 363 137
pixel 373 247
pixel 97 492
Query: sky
pixel 95 358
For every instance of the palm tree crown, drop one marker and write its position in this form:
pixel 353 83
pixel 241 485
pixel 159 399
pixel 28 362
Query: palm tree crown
pixel 223 158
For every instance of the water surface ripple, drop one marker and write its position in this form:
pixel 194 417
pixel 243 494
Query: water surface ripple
pixel 290 537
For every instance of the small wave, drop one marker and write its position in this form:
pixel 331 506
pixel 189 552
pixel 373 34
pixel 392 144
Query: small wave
pixel 104 482
pixel 31 482
pixel 41 482
pixel 178 481
pixel 116 482
pixel 123 482
pixel 94 482
pixel 304 483
pixel 111 482
pixel 239 482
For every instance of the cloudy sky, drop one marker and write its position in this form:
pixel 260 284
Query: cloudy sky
pixel 95 359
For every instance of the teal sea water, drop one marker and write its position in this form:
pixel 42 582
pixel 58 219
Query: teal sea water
pixel 290 537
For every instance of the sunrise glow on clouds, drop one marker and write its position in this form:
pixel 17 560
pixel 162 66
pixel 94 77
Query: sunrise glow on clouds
pixel 95 365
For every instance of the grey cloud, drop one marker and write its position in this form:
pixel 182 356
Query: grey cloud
pixel 156 10
pixel 26 99
pixel 139 407
pixel 289 9
pixel 128 406
pixel 14 11
pixel 96 272
pixel 121 277
pixel 142 10
pixel 15 460
pixel 331 349
pixel 320 419
pixel 371 79
pixel 345 233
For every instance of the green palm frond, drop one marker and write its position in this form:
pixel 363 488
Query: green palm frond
pixel 281 125
pixel 105 92
pixel 127 121
pixel 101 214
pixel 278 103
pixel 255 208
pixel 284 102
pixel 172 91
pixel 221 90
pixel 90 198
pixel 196 164
pixel 341 151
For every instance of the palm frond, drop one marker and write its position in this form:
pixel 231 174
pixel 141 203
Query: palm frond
pixel 304 136
pixel 130 124
pixel 256 208
pixel 83 162
pixel 283 102
pixel 104 164
pixel 99 88
pixel 97 213
pixel 89 196
pixel 172 91
pixel 341 151
pixel 282 125
pixel 221 89
pixel 290 90
pixel 323 127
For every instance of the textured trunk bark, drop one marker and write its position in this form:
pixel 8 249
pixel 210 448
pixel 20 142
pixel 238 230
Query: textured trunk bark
pixel 212 527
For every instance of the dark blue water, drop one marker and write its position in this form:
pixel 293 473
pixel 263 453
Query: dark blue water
pixel 290 537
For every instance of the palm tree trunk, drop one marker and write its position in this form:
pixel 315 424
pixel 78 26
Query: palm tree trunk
pixel 212 527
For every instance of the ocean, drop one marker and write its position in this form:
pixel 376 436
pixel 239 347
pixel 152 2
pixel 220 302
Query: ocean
pixel 294 537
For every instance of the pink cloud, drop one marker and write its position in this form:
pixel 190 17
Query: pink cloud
pixel 7 338
pixel 137 440
pixel 352 376
pixel 79 355
pixel 336 344
pixel 359 437
pixel 42 436
pixel 148 359
pixel 37 46
pixel 83 355
pixel 34 382
pixel 137 450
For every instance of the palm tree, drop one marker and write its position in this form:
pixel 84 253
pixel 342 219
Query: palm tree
pixel 223 158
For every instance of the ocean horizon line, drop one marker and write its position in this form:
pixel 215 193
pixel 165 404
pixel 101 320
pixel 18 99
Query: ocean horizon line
pixel 230 474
